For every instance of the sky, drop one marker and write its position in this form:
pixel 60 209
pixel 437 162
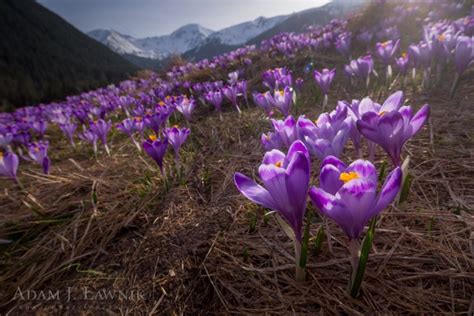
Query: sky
pixel 141 18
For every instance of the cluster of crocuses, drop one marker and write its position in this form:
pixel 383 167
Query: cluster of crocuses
pixel 347 193
pixel 89 116
pixel 281 95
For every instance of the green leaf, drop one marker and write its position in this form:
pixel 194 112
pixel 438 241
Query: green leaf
pixel 383 170
pixel 405 190
pixel 318 242
pixel 364 256
pixel 304 246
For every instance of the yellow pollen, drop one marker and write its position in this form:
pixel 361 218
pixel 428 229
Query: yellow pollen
pixel 138 118
pixel 404 55
pixel 152 137
pixel 175 126
pixel 346 177
pixel 1 156
pixel 382 113
pixel 36 149
pixel 161 103
pixel 278 164
pixel 441 38
pixel 385 44
pixel 168 97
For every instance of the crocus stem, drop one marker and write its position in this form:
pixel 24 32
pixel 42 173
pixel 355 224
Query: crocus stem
pixel 362 254
pixel 455 85
pixel 136 144
pixel 354 248
pixel 367 83
pixel 325 101
pixel 389 75
pixel 300 273
pixel 107 150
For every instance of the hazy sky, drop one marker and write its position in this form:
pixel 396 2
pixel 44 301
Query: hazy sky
pixel 142 18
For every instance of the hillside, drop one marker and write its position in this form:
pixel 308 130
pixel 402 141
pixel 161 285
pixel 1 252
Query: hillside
pixel 43 58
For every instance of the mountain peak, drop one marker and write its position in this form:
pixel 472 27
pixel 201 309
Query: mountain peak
pixel 192 28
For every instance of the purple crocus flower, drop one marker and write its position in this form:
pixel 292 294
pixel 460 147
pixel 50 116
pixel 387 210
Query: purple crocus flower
pixel 283 135
pixel 176 137
pixel 263 101
pixel 402 66
pixel 154 121
pixel 215 98
pixel 38 152
pixel 282 100
pixel 128 127
pixel 5 140
pixel 286 181
pixel 91 138
pixel 231 93
pixel 8 165
pixel 68 130
pixel 391 125
pixel 101 128
pixel 186 106
pixel 329 135
pixel 348 194
pixel 324 79
pixel 39 126
pixel 386 50
pixel 156 149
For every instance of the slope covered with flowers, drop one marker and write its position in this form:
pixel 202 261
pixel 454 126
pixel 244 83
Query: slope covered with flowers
pixel 362 128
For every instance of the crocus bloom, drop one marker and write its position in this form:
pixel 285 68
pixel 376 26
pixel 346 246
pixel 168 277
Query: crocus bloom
pixel 286 181
pixel 283 135
pixel 231 93
pixel 329 135
pixel 101 128
pixel 8 165
pixel 38 151
pixel 91 138
pixel 39 126
pixel 215 98
pixel 5 140
pixel 186 106
pixel 402 64
pixel 176 137
pixel 263 101
pixel 391 124
pixel 282 100
pixel 156 149
pixel 127 126
pixel 386 50
pixel 154 121
pixel 324 80
pixel 348 194
pixel 68 130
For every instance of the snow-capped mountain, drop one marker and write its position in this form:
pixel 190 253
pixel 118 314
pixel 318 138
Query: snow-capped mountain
pixel 157 47
pixel 184 39
pixel 241 33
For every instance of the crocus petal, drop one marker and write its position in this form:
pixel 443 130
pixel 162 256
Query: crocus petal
pixel 253 191
pixel 329 178
pixel 389 191
pixel 419 119
pixel 393 102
